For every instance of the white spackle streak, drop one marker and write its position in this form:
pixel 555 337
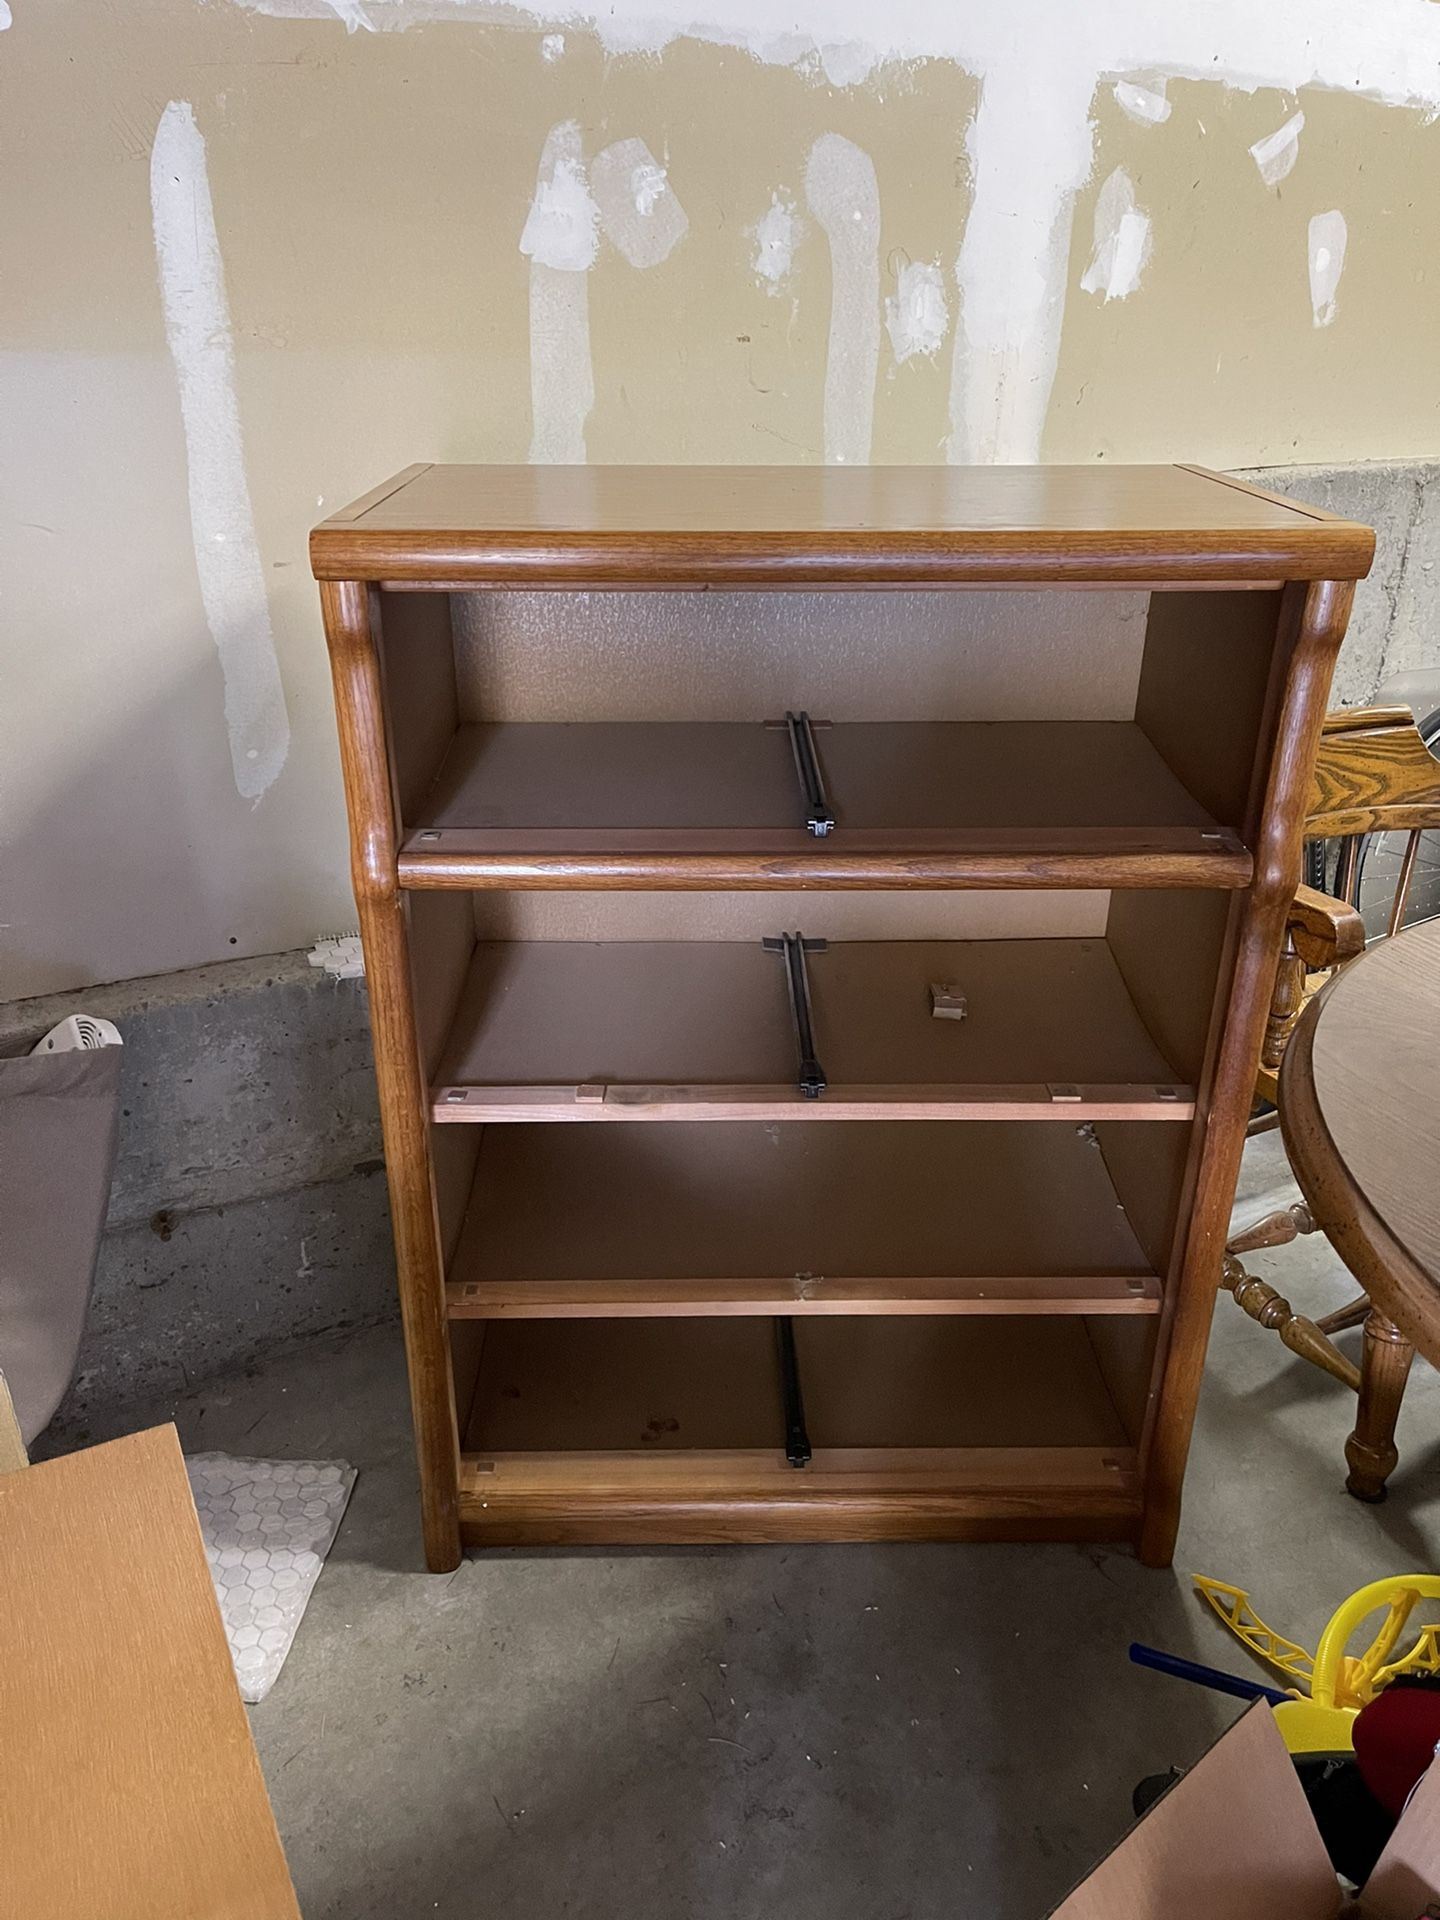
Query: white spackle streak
pixel 561 240
pixel 776 236
pixel 844 198
pixel 636 202
pixel 848 63
pixel 552 47
pixel 917 318
pixel 1277 153
pixel 562 228
pixel 1122 240
pixel 1146 105
pixel 1039 65
pixel 647 182
pixel 1030 150
pixel 5 15
pixel 353 14
pixel 1328 234
pixel 222 524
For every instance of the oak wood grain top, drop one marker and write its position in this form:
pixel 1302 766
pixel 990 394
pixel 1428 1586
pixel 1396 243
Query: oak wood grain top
pixel 1360 1103
pixel 819 525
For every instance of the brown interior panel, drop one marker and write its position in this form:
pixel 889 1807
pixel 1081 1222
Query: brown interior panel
pixel 661 1385
pixel 442 944
pixel 631 777
pixel 1148 1175
pixel 975 655
pixel 978 913
pixel 1169 949
pixel 743 1200
pixel 1124 1352
pixel 1204 688
pixel 417 661
pixel 696 1013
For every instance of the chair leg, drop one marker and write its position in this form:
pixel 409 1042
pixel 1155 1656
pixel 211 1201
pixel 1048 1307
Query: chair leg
pixel 1271 1309
pixel 1352 1316
pixel 1384 1368
pixel 1275 1230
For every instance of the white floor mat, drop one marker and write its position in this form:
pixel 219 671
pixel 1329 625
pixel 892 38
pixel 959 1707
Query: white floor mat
pixel 268 1525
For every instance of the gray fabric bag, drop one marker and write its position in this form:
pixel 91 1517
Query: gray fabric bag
pixel 58 1121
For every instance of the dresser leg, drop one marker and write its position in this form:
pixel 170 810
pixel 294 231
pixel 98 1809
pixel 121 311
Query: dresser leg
pixel 1384 1368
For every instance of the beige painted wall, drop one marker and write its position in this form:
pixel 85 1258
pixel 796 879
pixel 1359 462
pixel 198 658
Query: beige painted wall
pixel 369 194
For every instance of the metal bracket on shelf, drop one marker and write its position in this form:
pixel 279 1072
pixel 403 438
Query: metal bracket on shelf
pixel 797 1440
pixel 818 815
pixel 947 1002
pixel 794 947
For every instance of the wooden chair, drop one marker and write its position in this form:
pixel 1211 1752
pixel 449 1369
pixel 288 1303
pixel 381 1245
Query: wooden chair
pixel 1373 774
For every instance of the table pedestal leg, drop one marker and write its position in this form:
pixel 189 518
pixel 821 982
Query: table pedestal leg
pixel 1370 1450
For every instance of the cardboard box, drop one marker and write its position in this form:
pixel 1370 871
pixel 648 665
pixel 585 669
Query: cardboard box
pixel 1234 1840
pixel 129 1785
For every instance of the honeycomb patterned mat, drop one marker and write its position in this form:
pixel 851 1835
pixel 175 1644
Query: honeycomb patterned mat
pixel 268 1525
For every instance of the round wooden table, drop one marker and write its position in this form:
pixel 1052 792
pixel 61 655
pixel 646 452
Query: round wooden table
pixel 1360 1112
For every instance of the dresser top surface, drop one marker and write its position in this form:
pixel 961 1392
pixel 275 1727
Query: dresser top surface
pixel 812 525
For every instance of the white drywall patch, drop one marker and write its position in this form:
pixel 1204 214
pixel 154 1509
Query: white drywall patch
pixel 917 318
pixel 776 236
pixel 1030 153
pixel 561 239
pixel 1277 153
pixel 1388 49
pixel 636 202
pixel 1147 106
pixel 1122 240
pixel 352 13
pixel 844 198
pixel 222 524
pixel 562 228
pixel 1040 65
pixel 1328 234
pixel 552 47
pixel 848 62
pixel 5 16
pixel 562 379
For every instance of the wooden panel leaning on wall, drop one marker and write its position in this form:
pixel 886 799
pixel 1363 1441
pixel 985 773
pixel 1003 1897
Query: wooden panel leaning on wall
pixel 131 1786
pixel 675 1325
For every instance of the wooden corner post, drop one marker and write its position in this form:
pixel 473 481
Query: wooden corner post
pixel 1313 620
pixel 384 933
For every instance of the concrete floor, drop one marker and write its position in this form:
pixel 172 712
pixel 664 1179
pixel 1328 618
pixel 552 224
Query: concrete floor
pixel 835 1733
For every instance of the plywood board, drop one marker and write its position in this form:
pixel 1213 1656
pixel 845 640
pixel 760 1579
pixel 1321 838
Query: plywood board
pixel 131 1787
pixel 1232 1840
pixel 1406 1878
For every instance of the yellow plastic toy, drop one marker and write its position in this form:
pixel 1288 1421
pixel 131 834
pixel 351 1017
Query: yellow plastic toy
pixel 1330 1689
